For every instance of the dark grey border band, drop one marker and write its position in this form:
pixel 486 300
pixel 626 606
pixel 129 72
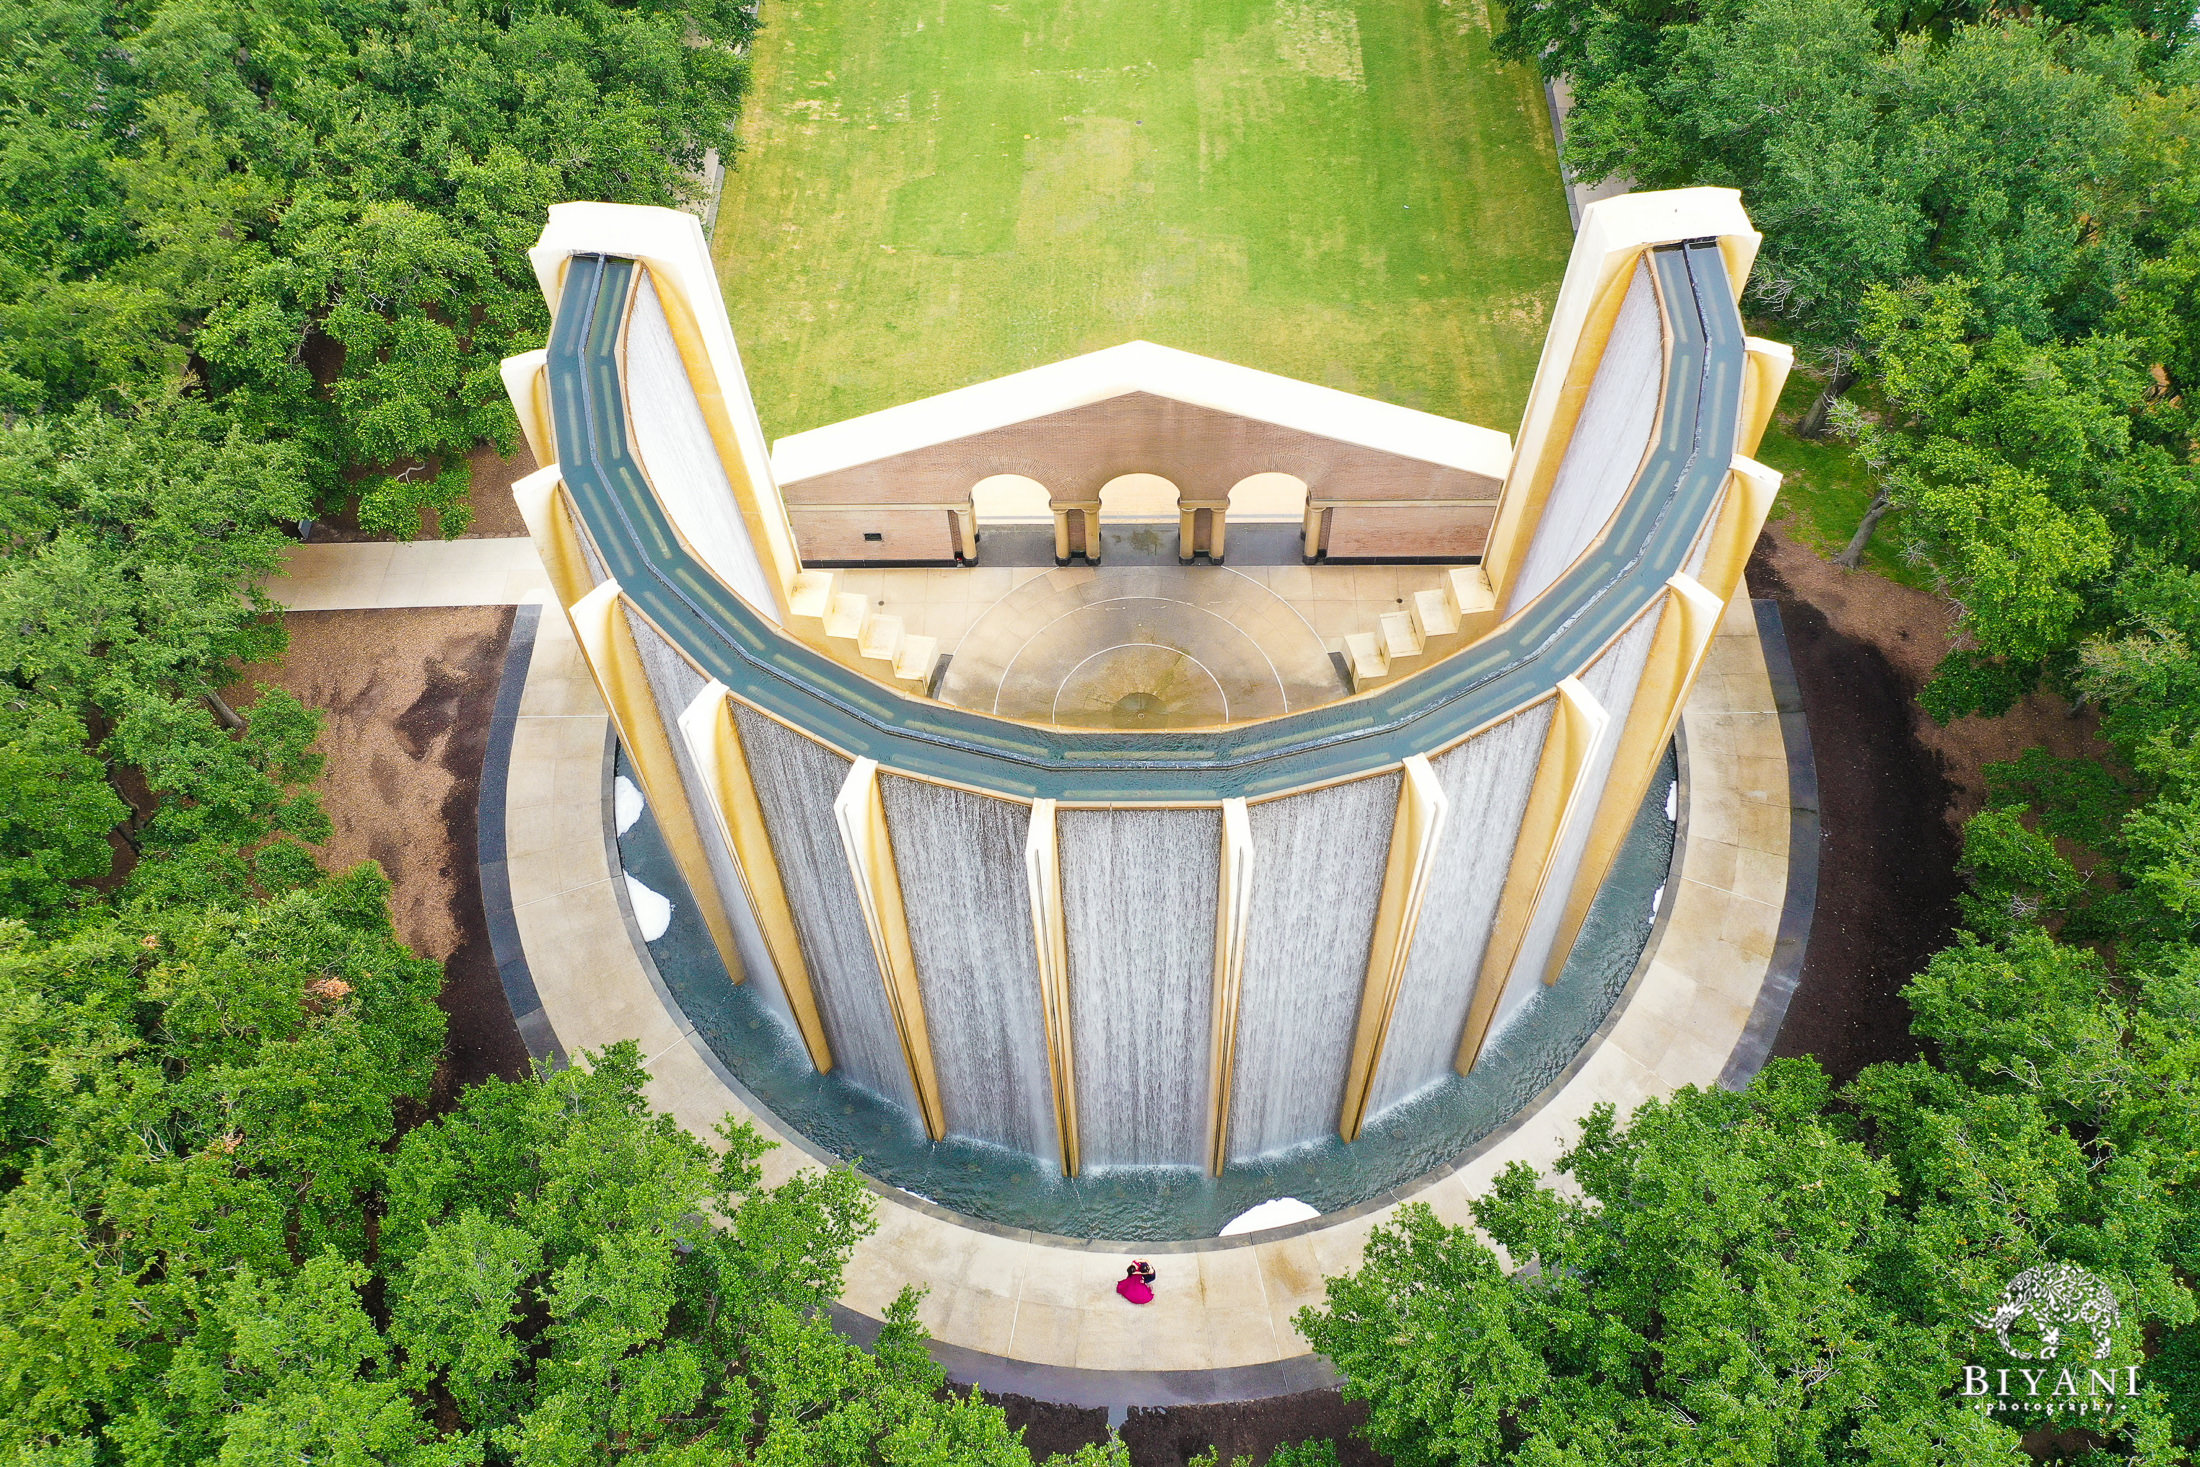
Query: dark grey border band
pixel 1801 904
pixel 490 809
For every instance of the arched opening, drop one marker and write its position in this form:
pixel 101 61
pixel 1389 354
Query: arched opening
pixel 1273 497
pixel 1138 497
pixel 1011 499
pixel 1277 499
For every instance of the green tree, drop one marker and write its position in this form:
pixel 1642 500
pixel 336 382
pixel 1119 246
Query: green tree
pixel 1708 1296
pixel 2021 477
pixel 1867 157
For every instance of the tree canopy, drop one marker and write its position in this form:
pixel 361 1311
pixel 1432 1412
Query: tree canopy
pixel 1989 220
pixel 316 216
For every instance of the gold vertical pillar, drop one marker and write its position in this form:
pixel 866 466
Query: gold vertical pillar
pixel 1187 532
pixel 557 539
pixel 524 383
pixel 1310 533
pixel 1577 724
pixel 1232 917
pixel 1686 625
pixel 607 642
pixel 1422 810
pixel 1750 490
pixel 1766 372
pixel 715 745
pixel 860 812
pixel 1050 932
pixel 1218 532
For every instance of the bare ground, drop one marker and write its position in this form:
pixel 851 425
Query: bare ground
pixel 408 696
pixel 1894 790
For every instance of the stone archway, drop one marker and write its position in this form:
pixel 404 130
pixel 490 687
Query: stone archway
pixel 1011 499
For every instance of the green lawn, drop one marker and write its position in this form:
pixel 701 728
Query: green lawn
pixel 935 192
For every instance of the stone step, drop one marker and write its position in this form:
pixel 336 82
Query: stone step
pixel 847 616
pixel 1468 590
pixel 916 658
pixel 1432 614
pixel 1369 663
pixel 1400 637
pixel 812 594
pixel 880 638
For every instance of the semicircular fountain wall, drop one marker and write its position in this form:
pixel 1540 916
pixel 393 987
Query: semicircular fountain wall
pixel 1197 952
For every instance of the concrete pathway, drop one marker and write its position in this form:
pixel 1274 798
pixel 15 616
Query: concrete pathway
pixel 418 573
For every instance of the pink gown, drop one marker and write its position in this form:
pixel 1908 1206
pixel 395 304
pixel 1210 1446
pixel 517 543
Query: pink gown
pixel 1134 1289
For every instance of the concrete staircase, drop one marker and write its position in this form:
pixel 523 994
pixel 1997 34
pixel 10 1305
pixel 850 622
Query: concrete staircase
pixel 1433 624
pixel 847 624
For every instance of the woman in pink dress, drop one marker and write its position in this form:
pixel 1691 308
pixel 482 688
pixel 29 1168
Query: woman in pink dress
pixel 1136 1284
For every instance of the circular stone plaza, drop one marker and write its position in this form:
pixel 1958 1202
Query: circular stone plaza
pixel 1105 798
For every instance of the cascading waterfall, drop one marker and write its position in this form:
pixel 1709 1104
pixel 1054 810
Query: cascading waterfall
pixel 1487 780
pixel 1138 895
pixel 796 781
pixel 960 858
pixel 1607 446
pixel 674 684
pixel 1318 861
pixel 1611 681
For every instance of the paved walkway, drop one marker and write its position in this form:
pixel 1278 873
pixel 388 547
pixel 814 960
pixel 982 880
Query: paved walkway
pixel 417 573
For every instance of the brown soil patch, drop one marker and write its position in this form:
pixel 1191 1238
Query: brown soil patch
pixel 1894 789
pixel 1913 631
pixel 408 696
pixel 496 513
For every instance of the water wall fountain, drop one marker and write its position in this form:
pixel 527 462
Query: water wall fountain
pixel 1170 947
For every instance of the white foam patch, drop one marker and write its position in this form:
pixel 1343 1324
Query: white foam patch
pixel 1656 898
pixel 1673 800
pixel 626 803
pixel 652 912
pixel 1276 1212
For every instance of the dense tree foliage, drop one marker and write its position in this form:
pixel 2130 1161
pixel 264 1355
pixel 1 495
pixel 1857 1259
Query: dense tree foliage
pixel 315 216
pixel 1991 221
pixel 246 251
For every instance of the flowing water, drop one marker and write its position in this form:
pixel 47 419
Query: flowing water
pixel 1430 1119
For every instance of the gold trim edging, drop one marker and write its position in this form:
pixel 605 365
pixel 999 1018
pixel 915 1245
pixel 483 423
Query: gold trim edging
pixel 1422 810
pixel 860 812
pixel 1233 916
pixel 1050 934
pixel 1688 622
pixel 714 741
pixel 607 644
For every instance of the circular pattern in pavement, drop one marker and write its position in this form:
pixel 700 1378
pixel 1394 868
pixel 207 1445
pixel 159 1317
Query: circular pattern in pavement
pixel 1143 647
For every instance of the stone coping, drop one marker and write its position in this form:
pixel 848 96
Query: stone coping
pixel 1023 1312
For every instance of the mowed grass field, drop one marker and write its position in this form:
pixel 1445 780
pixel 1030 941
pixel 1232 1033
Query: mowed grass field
pixel 935 192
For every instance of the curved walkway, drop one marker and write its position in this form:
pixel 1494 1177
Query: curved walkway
pixel 1016 1311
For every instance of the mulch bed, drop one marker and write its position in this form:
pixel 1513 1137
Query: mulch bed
pixel 1172 1436
pixel 407 695
pixel 1886 877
